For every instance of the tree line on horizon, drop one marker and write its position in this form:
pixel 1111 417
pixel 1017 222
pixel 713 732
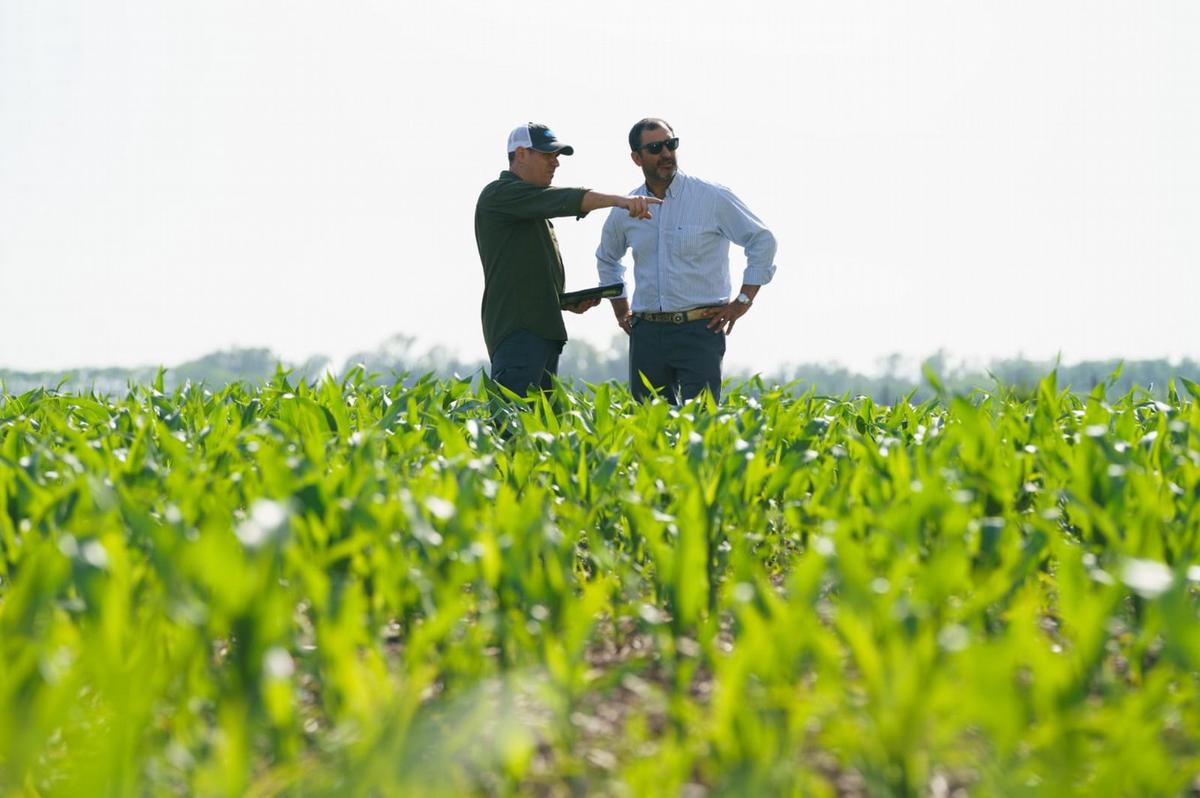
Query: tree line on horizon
pixel 399 358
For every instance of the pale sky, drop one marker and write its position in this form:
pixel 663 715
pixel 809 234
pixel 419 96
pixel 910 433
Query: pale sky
pixel 986 178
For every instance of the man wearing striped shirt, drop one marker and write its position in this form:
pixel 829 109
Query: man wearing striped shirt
pixel 682 309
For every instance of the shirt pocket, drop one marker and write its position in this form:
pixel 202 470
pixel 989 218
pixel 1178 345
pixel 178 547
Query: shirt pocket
pixel 689 242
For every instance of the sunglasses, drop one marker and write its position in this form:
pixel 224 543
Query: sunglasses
pixel 655 147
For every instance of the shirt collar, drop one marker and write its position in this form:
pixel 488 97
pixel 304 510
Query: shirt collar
pixel 673 190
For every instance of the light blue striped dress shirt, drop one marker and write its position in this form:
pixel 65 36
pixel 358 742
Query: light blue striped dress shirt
pixel 681 256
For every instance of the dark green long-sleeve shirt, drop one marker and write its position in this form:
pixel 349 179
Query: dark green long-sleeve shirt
pixel 522 267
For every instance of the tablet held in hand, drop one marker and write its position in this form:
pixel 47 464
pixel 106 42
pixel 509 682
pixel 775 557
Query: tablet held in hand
pixel 600 292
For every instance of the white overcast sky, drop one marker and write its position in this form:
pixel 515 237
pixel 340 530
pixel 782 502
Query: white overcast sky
pixel 988 178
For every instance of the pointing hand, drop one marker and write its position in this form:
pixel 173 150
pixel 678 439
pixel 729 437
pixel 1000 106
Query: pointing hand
pixel 639 207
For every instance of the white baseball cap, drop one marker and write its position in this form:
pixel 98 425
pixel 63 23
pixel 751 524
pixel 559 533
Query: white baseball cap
pixel 535 136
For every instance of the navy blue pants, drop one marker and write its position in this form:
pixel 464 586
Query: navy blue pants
pixel 679 360
pixel 525 360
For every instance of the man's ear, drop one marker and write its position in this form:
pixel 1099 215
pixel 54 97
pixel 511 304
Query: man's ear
pixel 637 157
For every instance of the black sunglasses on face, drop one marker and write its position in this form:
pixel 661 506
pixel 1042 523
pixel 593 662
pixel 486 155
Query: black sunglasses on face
pixel 655 147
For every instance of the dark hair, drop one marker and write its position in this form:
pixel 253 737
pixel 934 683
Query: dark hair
pixel 649 123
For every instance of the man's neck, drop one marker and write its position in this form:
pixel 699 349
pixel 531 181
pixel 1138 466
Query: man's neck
pixel 659 187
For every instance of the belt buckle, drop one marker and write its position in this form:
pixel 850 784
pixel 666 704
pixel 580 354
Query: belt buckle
pixel 678 318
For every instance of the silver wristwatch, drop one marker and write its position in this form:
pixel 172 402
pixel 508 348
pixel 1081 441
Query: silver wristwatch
pixel 742 299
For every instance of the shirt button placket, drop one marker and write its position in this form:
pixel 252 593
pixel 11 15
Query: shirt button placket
pixel 662 251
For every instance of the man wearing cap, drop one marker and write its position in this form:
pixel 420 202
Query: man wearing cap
pixel 682 309
pixel 522 268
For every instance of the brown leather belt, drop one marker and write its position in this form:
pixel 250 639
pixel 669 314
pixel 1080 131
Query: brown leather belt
pixel 678 317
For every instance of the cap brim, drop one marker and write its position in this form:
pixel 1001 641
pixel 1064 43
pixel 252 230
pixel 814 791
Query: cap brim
pixel 560 149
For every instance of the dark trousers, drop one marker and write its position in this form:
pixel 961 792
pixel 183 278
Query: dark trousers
pixel 525 360
pixel 679 360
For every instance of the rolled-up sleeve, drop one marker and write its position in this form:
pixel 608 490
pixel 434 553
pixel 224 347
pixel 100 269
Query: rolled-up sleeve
pixel 739 224
pixel 613 245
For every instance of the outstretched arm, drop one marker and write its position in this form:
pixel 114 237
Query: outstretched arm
pixel 638 207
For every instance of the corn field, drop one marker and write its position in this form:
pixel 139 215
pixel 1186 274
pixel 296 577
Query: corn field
pixel 358 589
